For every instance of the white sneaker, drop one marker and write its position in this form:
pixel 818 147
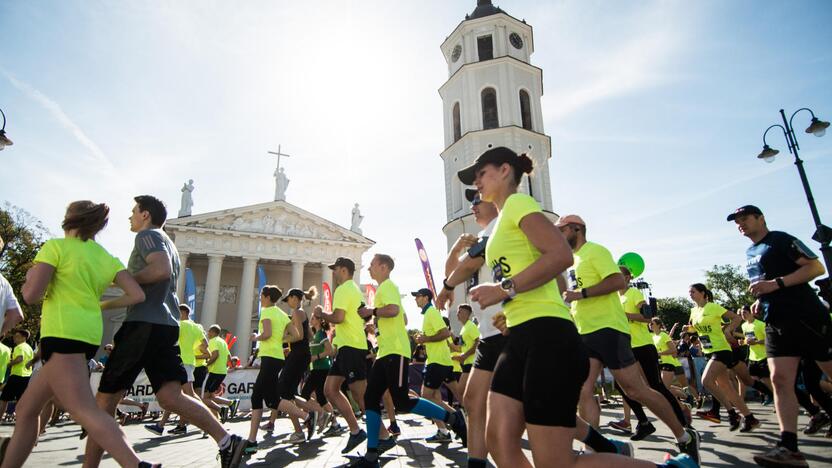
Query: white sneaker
pixel 297 438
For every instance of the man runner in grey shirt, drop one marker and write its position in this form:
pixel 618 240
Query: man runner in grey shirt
pixel 148 338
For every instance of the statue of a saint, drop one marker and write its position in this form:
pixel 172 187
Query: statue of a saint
pixel 187 200
pixel 281 182
pixel 357 217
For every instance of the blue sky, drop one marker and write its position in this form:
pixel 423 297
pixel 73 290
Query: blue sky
pixel 656 112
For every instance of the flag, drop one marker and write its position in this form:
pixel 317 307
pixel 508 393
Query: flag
pixel 190 293
pixel 261 282
pixel 371 295
pixel 423 256
pixel 327 305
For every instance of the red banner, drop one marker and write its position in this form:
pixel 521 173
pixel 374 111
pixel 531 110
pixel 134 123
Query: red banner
pixel 371 295
pixel 327 298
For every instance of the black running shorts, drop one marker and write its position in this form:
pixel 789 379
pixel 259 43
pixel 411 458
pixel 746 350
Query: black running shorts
pixel 213 382
pixel 809 338
pixel 265 386
pixel 759 369
pixel 543 365
pixel 199 376
pixel 488 350
pixel 350 363
pixel 434 375
pixel 611 347
pixel 726 357
pixel 51 344
pixel 15 386
pixel 296 365
pixel 148 346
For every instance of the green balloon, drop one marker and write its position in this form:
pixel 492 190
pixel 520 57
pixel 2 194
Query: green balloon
pixel 633 262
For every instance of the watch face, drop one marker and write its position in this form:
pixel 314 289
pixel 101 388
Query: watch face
pixel 516 40
pixel 456 53
pixel 507 284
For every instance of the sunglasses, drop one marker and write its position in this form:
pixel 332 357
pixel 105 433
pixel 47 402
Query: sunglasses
pixel 476 201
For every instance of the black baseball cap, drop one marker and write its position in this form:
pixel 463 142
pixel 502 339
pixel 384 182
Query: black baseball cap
pixel 496 156
pixel 293 292
pixel 744 210
pixel 343 262
pixel 471 194
pixel 423 292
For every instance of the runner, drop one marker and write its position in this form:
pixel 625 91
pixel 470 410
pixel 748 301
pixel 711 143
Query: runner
pixel 321 352
pixel 780 268
pixel 603 326
pixel 530 391
pixel 349 365
pixel 707 318
pixel 668 363
pixel 191 337
pixel 755 338
pixel 470 335
pixel 147 338
pixel 217 364
pixel 389 372
pixel 70 275
pixel 22 353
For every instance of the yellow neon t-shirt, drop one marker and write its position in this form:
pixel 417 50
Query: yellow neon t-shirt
pixel 273 347
pixel 708 323
pixel 71 307
pixel 197 350
pixel 190 333
pixel 22 350
pixel 593 263
pixel 639 333
pixel 220 366
pixel 757 330
pixel 5 357
pixel 509 252
pixel 469 334
pixel 392 336
pixel 454 363
pixel 438 351
pixel 350 332
pixel 660 341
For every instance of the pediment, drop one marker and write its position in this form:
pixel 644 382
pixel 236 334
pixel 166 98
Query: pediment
pixel 278 218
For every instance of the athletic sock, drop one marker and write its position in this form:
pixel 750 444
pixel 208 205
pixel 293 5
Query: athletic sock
pixel 225 442
pixel 598 442
pixel 476 463
pixel 761 387
pixel 684 438
pixel 430 410
pixel 373 426
pixel 788 440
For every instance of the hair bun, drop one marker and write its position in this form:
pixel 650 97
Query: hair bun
pixel 525 163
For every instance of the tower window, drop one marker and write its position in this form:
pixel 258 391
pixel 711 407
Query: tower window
pixel 457 124
pixel 525 110
pixel 485 47
pixel 489 109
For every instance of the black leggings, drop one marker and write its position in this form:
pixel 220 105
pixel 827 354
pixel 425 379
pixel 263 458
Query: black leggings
pixel 648 358
pixel 389 373
pixel 315 383
pixel 265 387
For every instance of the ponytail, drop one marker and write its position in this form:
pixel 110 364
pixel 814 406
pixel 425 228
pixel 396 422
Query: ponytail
pixel 709 295
pixel 272 292
pixel 311 293
pixel 522 165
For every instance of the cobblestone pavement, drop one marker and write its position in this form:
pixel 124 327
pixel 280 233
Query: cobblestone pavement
pixel 60 445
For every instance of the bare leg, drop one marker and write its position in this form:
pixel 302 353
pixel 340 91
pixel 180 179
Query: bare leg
pixel 332 390
pixel 476 403
pixel 588 407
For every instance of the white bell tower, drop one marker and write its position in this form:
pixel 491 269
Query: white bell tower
pixel 491 98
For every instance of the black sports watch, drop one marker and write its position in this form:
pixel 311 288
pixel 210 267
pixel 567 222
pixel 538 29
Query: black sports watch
pixel 507 285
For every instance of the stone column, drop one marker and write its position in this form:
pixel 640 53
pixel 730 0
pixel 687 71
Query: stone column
pixel 212 290
pixel 297 274
pixel 244 306
pixel 180 281
pixel 326 277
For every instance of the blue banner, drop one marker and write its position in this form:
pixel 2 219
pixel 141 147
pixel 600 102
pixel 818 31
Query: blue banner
pixel 190 292
pixel 261 281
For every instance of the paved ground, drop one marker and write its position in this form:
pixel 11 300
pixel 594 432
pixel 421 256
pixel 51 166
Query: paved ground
pixel 60 446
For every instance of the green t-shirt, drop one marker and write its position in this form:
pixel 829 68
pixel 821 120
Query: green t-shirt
pixel 639 333
pixel 20 369
pixel 392 333
pixel 190 336
pixel 316 346
pixel 72 307
pixel 509 252
pixel 593 263
pixel 5 357
pixel 660 341
pixel 756 330
pixel 454 363
pixel 273 347
pixel 469 334
pixel 220 366
pixel 350 332
pixel 438 351
pixel 708 323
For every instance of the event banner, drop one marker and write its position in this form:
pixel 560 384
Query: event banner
pixel 423 256
pixel 327 298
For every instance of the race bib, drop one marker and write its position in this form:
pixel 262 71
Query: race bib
pixel 706 342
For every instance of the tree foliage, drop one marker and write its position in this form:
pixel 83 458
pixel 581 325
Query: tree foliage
pixel 729 285
pixel 674 310
pixel 23 235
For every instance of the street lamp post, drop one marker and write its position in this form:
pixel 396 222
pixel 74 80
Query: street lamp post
pixel 823 234
pixel 4 140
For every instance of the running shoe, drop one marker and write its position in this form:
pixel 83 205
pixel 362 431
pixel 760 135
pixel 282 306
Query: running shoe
pixel 709 415
pixel 749 423
pixel 682 460
pixel 733 421
pixel 829 433
pixel 780 456
pixel 297 438
pixel 179 430
pixel 232 454
pixel 268 427
pixel 224 414
pixel 251 447
pixel 363 462
pixel 155 428
pixel 623 426
pixel 459 426
pixel 642 431
pixel 623 448
pixel 439 438
pixel 235 404
pixel 354 441
pixel 311 424
pixel 691 447
pixel 386 444
pixel 334 430
pixel 816 423
pixel 393 428
pixel 324 421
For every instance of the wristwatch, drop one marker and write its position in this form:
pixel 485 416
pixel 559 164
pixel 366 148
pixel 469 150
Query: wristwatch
pixel 507 285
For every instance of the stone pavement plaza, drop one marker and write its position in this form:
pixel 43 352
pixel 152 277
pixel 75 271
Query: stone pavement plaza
pixel 60 445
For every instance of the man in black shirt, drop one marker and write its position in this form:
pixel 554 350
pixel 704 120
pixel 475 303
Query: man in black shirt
pixel 780 268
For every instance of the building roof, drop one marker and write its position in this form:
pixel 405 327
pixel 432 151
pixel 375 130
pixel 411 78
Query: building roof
pixel 484 8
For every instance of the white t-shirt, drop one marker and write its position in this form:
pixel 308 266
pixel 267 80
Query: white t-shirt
pixel 7 299
pixel 485 316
